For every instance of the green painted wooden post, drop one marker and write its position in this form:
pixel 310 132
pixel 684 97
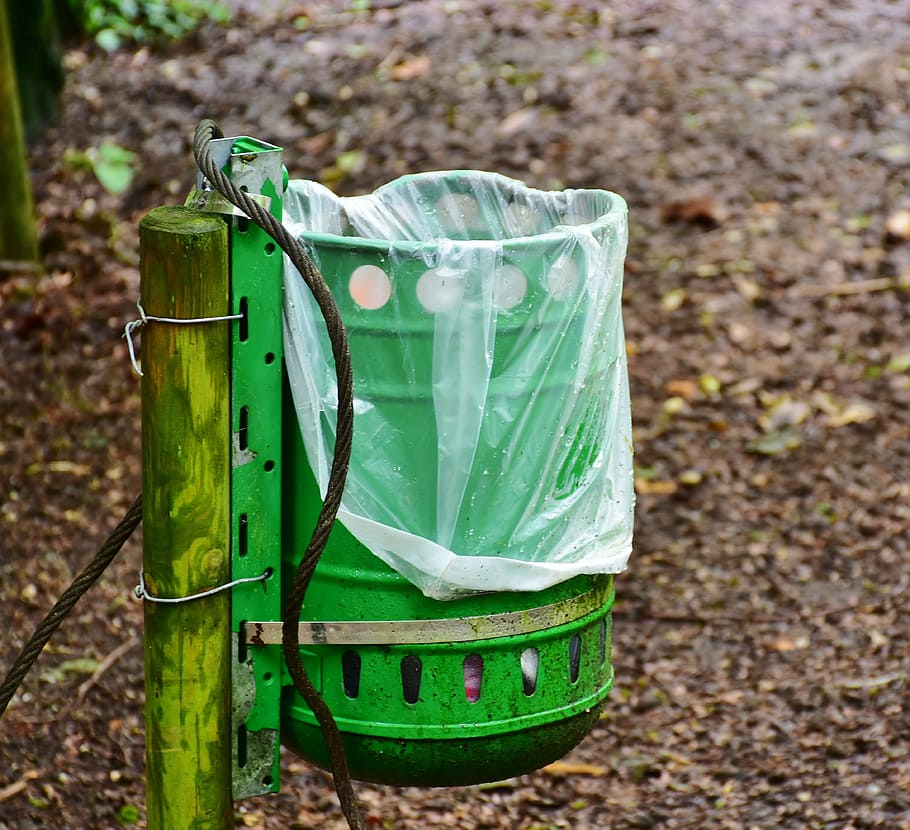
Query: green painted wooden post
pixel 186 522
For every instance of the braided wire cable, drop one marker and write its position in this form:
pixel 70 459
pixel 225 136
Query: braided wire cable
pixel 67 601
pixel 206 131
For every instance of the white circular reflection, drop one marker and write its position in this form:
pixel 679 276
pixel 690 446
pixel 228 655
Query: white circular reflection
pixel 440 289
pixel 509 288
pixel 563 278
pixel 370 287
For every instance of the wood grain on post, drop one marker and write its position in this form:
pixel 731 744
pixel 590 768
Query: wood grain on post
pixel 186 523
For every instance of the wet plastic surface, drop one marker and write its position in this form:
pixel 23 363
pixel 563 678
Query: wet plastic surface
pixel 492 446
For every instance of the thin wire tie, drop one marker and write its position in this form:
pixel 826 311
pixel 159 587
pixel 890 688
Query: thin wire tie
pixel 141 592
pixel 144 318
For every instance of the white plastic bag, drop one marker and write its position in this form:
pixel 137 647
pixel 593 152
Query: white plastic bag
pixel 492 434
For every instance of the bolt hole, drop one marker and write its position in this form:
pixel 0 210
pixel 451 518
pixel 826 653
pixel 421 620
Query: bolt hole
pixel 241 747
pixel 270 248
pixel 267 677
pixel 269 358
pixel 243 535
pixel 266 780
pixel 243 332
pixel 268 466
pixel 241 647
pixel 243 429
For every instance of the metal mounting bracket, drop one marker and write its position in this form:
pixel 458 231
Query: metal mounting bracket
pixel 256 407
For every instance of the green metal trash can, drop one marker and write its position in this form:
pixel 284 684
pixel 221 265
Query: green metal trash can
pixel 459 621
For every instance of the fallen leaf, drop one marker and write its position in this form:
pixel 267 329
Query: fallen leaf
pixel 843 412
pixel 777 442
pixel 707 270
pixel 899 363
pixel 783 411
pixel 898 225
pixel 749 289
pixel 675 405
pixel 790 643
pixel 58 467
pixel 700 210
pixel 569 768
pixel 873 682
pixel 644 487
pixel 12 789
pixel 516 122
pixel 685 388
pixel 709 384
pixel 411 69
pixel 691 477
pixel 79 665
pixel 897 153
pixel 854 412
pixel 673 299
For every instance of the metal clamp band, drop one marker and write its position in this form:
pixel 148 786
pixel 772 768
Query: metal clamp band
pixel 421 632
pixel 141 592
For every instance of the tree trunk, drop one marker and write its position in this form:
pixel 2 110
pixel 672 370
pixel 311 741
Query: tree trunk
pixel 18 239
pixel 35 37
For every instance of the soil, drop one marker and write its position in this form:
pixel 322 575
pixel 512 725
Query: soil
pixel 761 644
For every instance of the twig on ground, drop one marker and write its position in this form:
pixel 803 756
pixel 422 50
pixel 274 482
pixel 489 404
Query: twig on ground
pixel 845 289
pixel 12 789
pixel 103 666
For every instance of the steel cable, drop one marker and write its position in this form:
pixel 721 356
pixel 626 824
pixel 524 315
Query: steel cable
pixel 67 601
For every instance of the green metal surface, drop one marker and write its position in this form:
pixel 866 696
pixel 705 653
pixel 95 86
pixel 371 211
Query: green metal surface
pixel 256 412
pixel 454 761
pixel 442 739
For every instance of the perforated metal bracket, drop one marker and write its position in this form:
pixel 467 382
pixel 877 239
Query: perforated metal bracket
pixel 252 753
pixel 250 163
pixel 256 407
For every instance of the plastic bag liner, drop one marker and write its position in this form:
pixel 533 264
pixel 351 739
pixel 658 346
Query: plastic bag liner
pixel 492 435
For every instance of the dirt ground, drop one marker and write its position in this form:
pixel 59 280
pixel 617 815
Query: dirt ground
pixel 761 643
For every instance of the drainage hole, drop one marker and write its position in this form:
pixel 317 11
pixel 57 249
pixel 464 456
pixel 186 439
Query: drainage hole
pixel 411 670
pixel 350 673
pixel 530 665
pixel 574 658
pixel 472 669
